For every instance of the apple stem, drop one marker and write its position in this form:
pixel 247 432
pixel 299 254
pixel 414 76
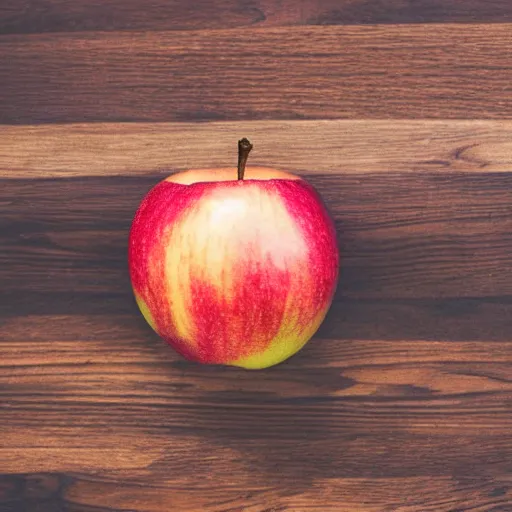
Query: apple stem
pixel 244 148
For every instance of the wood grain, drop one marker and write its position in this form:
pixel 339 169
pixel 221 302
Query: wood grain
pixel 358 416
pixel 402 401
pixel 417 71
pixel 34 16
pixel 312 147
pixel 119 405
pixel 392 393
pixel 94 494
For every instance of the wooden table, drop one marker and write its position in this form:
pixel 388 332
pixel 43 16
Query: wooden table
pixel 399 112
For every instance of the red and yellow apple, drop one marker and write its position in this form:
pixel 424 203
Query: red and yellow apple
pixel 234 269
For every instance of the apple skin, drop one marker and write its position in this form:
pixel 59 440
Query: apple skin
pixel 234 272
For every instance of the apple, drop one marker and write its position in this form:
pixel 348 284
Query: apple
pixel 234 266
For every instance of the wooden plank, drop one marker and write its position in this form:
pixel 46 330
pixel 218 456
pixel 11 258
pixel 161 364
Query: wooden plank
pixel 157 385
pixel 31 16
pixel 455 389
pixel 329 495
pixel 314 147
pixel 426 235
pixel 408 71
pixel 253 415
pixel 352 455
pixel 254 493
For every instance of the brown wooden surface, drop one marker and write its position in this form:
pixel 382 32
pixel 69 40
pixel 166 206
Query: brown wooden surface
pixel 402 402
pixel 407 71
pixel 34 16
